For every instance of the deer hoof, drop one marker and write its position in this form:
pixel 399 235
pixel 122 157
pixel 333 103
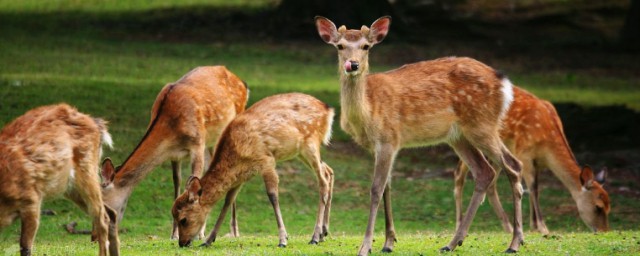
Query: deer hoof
pixel 510 251
pixel 313 242
pixel 282 245
pixel 445 249
pixel 387 249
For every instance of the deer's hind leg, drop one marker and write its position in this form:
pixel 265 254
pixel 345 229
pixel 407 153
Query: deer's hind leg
pixel 498 153
pixel 86 193
pixel 311 157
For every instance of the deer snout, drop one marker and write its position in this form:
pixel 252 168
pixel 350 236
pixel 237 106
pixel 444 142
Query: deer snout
pixel 351 66
pixel 185 243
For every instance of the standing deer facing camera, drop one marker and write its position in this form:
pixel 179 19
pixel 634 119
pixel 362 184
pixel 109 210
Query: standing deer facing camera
pixel 533 131
pixel 458 101
pixel 277 128
pixel 186 117
pixel 51 151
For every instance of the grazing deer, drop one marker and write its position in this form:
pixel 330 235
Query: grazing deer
pixel 277 128
pixel 186 117
pixel 458 101
pixel 533 131
pixel 47 152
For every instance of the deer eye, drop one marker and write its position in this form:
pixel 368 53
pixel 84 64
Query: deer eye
pixel 366 47
pixel 183 221
pixel 340 47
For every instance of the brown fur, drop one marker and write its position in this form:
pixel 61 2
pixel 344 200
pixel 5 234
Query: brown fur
pixel 533 131
pixel 458 101
pixel 47 152
pixel 277 128
pixel 186 117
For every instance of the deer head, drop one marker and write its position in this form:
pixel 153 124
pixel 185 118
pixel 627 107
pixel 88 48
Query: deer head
pixel 114 198
pixel 189 213
pixel 353 45
pixel 593 201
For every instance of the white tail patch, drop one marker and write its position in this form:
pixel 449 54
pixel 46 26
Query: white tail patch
pixel 327 136
pixel 507 91
pixel 106 139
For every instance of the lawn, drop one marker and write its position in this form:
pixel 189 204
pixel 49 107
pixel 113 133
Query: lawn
pixel 48 55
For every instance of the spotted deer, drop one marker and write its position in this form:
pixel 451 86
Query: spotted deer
pixel 187 116
pixel 47 152
pixel 533 131
pixel 458 101
pixel 275 129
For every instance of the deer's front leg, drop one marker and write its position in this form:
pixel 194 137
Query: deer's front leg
pixel 229 200
pixel 234 230
pixel 384 156
pixel 177 177
pixel 390 232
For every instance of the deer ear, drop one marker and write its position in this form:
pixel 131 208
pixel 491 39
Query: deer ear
pixel 108 172
pixel 586 177
pixel 601 177
pixel 379 29
pixel 194 188
pixel 326 29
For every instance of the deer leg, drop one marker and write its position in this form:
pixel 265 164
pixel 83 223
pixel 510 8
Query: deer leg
pixel 234 230
pixel 390 230
pixel 530 176
pixel 459 177
pixel 499 154
pixel 494 201
pixel 384 157
pixel 229 200
pixel 86 193
pixel 197 168
pixel 483 174
pixel 177 177
pixel 311 156
pixel 327 210
pixel 30 219
pixel 271 183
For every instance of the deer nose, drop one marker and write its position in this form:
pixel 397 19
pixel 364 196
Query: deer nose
pixel 185 243
pixel 350 66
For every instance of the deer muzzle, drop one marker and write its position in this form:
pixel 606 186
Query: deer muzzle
pixel 351 66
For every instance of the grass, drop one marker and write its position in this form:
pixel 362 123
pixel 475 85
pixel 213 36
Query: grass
pixel 117 77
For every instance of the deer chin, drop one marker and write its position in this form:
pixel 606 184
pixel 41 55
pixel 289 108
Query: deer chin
pixel 351 73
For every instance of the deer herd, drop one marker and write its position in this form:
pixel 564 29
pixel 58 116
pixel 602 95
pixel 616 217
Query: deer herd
pixel 491 124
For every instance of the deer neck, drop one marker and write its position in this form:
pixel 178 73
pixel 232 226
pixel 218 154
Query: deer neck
pixel 355 106
pixel 568 171
pixel 218 180
pixel 136 168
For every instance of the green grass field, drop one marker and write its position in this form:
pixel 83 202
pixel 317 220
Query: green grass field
pixel 47 58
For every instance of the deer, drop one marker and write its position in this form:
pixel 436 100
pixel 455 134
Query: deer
pixel 277 128
pixel 51 151
pixel 458 101
pixel 533 130
pixel 187 117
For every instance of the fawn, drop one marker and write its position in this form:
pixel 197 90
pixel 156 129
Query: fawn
pixel 50 151
pixel 533 131
pixel 277 128
pixel 186 117
pixel 458 101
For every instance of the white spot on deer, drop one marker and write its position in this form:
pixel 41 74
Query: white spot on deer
pixel 507 92
pixel 469 98
pixel 461 92
pixel 106 139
